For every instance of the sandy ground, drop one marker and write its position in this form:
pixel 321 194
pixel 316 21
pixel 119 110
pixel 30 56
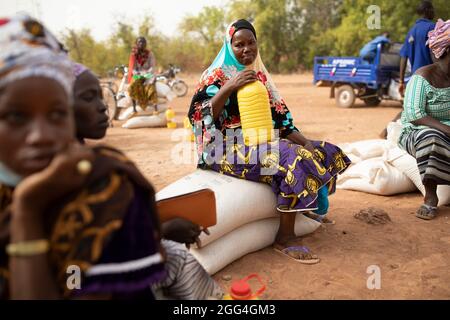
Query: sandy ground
pixel 413 255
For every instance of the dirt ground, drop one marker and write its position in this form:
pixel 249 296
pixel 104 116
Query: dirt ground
pixel 413 255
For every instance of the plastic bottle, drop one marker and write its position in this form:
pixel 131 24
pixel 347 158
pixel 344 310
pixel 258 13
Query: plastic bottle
pixel 188 127
pixel 256 116
pixel 241 290
pixel 170 115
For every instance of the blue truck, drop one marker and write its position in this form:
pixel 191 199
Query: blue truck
pixel 352 77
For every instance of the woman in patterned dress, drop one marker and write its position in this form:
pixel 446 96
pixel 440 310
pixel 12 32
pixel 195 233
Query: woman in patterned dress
pixel 300 171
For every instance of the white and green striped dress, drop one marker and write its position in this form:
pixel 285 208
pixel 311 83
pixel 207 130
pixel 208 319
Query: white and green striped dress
pixel 429 146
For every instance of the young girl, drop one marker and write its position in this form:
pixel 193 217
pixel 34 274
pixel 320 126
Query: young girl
pixel 64 207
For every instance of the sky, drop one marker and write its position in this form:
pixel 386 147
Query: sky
pixel 99 15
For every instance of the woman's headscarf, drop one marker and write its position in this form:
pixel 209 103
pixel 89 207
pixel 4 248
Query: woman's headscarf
pixel 79 69
pixel 28 49
pixel 439 38
pixel 226 65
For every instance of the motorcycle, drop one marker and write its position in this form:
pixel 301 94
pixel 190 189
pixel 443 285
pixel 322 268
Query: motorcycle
pixel 170 78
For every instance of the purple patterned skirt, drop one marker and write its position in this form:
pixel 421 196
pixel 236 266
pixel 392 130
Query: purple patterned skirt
pixel 294 173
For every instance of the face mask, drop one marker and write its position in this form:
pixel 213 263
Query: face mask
pixel 8 177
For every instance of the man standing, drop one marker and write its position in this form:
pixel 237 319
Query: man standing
pixel 414 47
pixel 369 51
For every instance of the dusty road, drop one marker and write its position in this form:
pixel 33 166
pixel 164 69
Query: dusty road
pixel 413 254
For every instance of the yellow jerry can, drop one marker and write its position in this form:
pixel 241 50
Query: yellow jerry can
pixel 256 116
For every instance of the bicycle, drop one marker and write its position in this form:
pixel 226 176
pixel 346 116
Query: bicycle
pixel 178 86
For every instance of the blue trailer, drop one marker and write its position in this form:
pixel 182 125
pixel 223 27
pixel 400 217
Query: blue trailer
pixel 352 77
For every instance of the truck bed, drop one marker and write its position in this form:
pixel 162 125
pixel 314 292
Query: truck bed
pixel 354 70
pixel 344 69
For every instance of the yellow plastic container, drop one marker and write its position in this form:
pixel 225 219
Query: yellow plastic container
pixel 170 115
pixel 256 116
pixel 188 127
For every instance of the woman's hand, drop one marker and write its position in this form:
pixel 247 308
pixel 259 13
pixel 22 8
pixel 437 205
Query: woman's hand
pixel 298 138
pixel 447 130
pixel 32 277
pixel 431 122
pixel 238 81
pixel 62 176
pixel 241 79
pixel 401 89
pixel 182 231
pixel 309 146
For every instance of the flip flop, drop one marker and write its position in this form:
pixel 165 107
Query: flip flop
pixel 319 218
pixel 325 220
pixel 301 249
pixel 426 212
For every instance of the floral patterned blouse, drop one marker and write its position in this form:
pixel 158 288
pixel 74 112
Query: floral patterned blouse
pixel 201 112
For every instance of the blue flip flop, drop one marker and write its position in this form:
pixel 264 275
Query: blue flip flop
pixel 426 212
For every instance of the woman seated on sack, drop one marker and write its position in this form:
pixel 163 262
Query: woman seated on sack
pixel 142 88
pixel 426 119
pixel 302 171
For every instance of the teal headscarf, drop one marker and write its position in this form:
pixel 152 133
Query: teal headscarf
pixel 226 60
pixel 226 65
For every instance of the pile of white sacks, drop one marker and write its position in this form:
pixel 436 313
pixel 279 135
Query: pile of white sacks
pixel 152 116
pixel 246 217
pixel 381 167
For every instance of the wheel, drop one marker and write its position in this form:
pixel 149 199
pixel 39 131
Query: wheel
pixel 109 98
pixel 114 87
pixel 372 102
pixel 180 88
pixel 345 96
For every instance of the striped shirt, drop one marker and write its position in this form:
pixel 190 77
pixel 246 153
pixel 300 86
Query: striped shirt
pixel 421 100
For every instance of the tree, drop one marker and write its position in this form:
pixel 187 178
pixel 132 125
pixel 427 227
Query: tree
pixel 208 28
pixel 290 32
pixel 397 17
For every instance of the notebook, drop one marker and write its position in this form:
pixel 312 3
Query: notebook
pixel 199 207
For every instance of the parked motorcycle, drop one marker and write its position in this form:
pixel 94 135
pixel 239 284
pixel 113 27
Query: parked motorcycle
pixel 170 78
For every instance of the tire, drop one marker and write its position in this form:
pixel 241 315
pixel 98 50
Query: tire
pixel 345 96
pixel 109 98
pixel 372 102
pixel 180 88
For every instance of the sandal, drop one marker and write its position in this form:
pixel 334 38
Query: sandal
pixel 299 254
pixel 325 220
pixel 426 212
pixel 319 218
